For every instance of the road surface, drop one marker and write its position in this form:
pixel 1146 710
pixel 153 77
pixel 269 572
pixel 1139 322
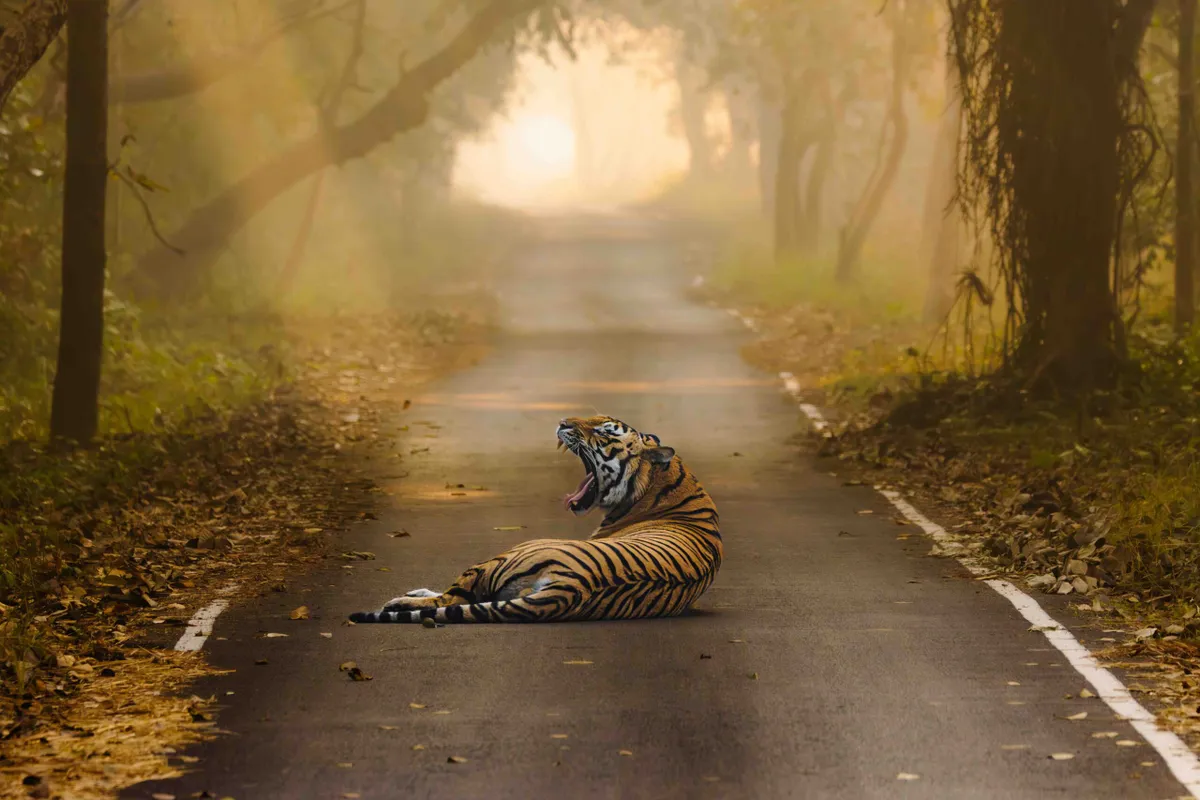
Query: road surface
pixel 829 658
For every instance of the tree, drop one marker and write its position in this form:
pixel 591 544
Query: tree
pixel 862 218
pixel 1053 150
pixel 206 232
pixel 1185 212
pixel 25 38
pixel 940 240
pixel 75 406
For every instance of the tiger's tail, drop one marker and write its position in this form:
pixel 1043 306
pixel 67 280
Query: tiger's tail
pixel 538 607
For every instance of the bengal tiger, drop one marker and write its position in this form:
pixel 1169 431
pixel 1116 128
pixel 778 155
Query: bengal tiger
pixel 656 551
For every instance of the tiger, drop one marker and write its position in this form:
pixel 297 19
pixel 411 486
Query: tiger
pixel 657 549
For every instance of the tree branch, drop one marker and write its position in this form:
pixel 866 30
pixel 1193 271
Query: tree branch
pixel 197 76
pixel 25 39
pixel 403 107
pixel 1131 29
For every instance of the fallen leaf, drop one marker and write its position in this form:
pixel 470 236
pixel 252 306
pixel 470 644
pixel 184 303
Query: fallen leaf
pixel 418 747
pixel 399 534
pixel 357 674
pixel 346 666
pixel 345 764
pixel 559 736
pixel 1062 756
pixel 509 528
pixel 1077 717
pixel 737 641
pixel 1105 735
pixel 350 795
pixel 624 752
pixel 443 712
pixel 1146 633
pixel 389 727
pixel 1084 693
pixel 325 635
pixel 274 636
pixel 578 661
pixel 907 776
pixel 416 705
pixel 864 512
pixel 261 662
pixel 753 676
pixel 456 760
pixel 1014 747
pixel 162 796
pixel 1042 628
pixel 1013 683
pixel 300 613
pixel 1127 743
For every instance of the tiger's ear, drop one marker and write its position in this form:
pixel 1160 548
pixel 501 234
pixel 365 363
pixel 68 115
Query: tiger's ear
pixel 651 440
pixel 659 455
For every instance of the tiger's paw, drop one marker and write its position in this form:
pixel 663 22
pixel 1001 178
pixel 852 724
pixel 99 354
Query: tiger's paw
pixel 411 601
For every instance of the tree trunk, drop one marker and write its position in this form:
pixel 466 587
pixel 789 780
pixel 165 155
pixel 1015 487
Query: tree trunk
pixel 74 411
pixel 809 225
pixel 693 112
pixel 25 39
pixel 1066 176
pixel 739 104
pixel 207 232
pixel 770 134
pixel 1185 235
pixel 942 228
pixel 858 228
pixel 792 147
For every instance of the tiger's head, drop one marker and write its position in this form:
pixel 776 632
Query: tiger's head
pixel 616 458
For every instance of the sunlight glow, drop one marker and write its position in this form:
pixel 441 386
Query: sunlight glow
pixel 542 142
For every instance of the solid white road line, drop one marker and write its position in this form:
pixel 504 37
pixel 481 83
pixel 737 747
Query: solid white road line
pixel 200 626
pixel 1178 757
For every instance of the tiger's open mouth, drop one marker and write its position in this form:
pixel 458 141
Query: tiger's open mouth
pixel 583 498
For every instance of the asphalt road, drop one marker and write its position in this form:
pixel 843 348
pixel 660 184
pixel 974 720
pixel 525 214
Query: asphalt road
pixel 828 658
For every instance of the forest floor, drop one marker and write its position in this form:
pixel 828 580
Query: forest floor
pixel 1102 508
pixel 107 552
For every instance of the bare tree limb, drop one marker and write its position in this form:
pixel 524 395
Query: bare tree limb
pixel 25 39
pixel 137 193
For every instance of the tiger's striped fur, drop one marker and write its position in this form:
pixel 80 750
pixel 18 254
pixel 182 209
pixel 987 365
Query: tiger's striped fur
pixel 656 551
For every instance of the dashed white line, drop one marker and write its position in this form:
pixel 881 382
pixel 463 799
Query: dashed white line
pixel 200 626
pixel 1178 757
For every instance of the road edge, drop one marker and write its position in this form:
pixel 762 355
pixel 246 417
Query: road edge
pixel 1175 753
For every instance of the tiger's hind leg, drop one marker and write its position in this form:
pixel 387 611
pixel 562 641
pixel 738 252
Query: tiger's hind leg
pixel 462 591
pixel 551 604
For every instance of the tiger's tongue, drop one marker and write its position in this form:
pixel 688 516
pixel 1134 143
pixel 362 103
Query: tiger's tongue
pixel 580 492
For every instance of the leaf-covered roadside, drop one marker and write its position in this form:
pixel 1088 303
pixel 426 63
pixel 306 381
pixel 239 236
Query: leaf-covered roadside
pixel 106 553
pixel 1102 507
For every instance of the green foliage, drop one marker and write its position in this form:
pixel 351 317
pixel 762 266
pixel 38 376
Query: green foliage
pixel 749 272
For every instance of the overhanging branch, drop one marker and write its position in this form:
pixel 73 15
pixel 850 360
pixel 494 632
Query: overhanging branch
pixel 25 39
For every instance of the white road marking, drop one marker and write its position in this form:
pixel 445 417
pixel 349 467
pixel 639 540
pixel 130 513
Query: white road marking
pixel 812 412
pixel 200 626
pixel 1179 758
